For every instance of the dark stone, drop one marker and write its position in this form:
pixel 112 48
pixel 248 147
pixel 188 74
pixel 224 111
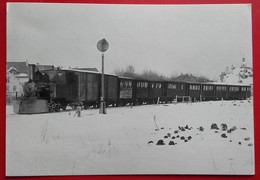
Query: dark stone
pixel 177 136
pixel 162 127
pixel 239 143
pixel 172 143
pixel 182 137
pixel 165 137
pixel 224 135
pixel 232 129
pixel 160 142
pixel 201 128
pixel 214 126
pixel 169 134
pixel 150 142
pixel 189 137
pixel 247 139
pixel 173 137
pixel 185 140
pixel 224 127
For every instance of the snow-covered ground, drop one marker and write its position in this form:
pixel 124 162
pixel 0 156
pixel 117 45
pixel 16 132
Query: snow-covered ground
pixel 124 140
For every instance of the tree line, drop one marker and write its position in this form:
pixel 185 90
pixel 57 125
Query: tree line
pixel 129 71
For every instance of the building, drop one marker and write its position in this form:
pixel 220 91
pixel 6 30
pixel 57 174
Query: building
pixel 16 75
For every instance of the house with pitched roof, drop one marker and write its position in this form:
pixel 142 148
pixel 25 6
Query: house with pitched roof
pixel 17 73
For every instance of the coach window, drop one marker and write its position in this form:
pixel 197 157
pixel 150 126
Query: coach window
pixel 121 84
pixel 182 87
pixel 130 84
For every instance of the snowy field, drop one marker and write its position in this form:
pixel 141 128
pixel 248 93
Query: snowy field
pixel 124 141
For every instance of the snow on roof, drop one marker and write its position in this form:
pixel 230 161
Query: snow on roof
pixel 86 71
pixel 122 77
pixel 22 75
pixel 230 84
pixel 21 67
pixel 12 68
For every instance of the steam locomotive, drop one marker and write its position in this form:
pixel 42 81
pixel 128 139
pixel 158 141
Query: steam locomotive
pixel 55 89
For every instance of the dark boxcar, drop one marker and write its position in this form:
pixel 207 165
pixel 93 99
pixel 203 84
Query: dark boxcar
pixel 125 90
pixel 156 90
pixel 207 92
pixel 249 92
pixel 111 89
pixel 72 86
pixel 220 91
pixel 175 90
pixel 233 92
pixel 194 91
pixel 141 91
pixel 245 92
pixel 88 88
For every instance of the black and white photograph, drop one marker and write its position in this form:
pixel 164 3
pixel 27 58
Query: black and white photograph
pixel 109 89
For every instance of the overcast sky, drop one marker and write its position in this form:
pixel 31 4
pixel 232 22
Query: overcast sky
pixel 170 39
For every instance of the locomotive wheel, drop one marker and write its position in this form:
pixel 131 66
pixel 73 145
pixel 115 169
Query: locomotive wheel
pixel 51 109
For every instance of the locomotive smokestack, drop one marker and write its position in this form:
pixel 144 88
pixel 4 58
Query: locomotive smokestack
pixel 32 71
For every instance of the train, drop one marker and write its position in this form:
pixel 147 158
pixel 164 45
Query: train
pixel 56 89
